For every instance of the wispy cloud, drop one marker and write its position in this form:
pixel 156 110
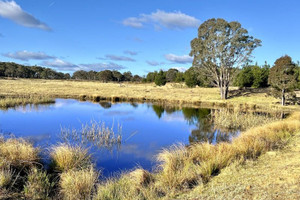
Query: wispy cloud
pixel 119 58
pixel 171 20
pixel 179 59
pixel 132 53
pixel 154 63
pixel 62 65
pixel 11 10
pixel 27 55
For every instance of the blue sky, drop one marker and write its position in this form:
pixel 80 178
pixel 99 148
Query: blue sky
pixel 135 35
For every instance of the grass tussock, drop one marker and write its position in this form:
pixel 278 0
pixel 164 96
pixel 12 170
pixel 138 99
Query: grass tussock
pixel 17 101
pixel 6 177
pixel 38 185
pixel 66 157
pixel 135 185
pixel 18 152
pixel 78 184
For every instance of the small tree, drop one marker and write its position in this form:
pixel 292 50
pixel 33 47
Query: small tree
pixel 283 76
pixel 160 78
pixel 220 47
pixel 171 75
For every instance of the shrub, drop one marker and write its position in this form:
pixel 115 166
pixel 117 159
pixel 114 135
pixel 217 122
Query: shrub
pixel 160 78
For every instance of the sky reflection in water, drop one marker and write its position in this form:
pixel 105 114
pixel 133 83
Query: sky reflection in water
pixel 146 128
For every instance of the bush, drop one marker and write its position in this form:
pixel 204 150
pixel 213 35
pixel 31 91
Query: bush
pixel 160 78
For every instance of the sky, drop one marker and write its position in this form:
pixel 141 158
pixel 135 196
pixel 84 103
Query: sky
pixel 136 35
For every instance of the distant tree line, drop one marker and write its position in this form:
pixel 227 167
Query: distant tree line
pixel 10 69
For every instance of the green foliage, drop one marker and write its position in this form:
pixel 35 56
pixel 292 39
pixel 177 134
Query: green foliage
pixel 160 78
pixel 105 76
pixel 171 75
pixel 151 77
pixel 127 76
pixel 213 50
pixel 191 77
pixel 252 76
pixel 284 75
pixel 179 77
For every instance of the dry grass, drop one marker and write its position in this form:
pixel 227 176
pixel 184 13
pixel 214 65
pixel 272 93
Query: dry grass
pixel 96 133
pixel 78 184
pixel 170 93
pixel 16 101
pixel 189 166
pixel 6 177
pixel 66 157
pixel 38 185
pixel 225 119
pixel 18 152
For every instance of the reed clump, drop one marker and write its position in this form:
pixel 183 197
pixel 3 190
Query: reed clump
pixel 66 157
pixel 95 133
pixel 78 184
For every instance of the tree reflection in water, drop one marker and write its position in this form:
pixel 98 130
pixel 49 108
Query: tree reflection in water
pixel 201 118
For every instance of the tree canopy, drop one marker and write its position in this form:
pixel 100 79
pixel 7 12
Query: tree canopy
pixel 220 47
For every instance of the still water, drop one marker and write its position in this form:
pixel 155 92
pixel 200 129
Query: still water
pixel 146 129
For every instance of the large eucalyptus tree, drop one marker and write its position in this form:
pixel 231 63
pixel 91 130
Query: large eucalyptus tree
pixel 220 47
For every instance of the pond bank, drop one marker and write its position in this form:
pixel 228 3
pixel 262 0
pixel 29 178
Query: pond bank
pixel 172 94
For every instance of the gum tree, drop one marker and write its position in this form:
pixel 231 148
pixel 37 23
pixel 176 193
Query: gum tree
pixel 283 76
pixel 220 47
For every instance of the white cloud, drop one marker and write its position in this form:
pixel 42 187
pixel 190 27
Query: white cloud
pixel 181 69
pixel 119 58
pixel 101 66
pixel 179 59
pixel 171 20
pixel 132 53
pixel 27 55
pixel 11 10
pixel 62 65
pixel 154 63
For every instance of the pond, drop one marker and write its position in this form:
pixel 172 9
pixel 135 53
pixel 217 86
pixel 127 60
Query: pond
pixel 146 129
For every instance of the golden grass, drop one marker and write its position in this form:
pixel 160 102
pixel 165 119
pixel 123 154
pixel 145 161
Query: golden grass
pixel 78 184
pixel 170 93
pixel 225 119
pixel 18 152
pixel 275 175
pixel 6 176
pixel 199 162
pixel 16 101
pixel 66 157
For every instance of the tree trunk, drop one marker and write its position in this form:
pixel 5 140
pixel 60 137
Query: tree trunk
pixel 283 97
pixel 224 92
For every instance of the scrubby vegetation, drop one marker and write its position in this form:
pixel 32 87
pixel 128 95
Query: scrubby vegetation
pixel 181 168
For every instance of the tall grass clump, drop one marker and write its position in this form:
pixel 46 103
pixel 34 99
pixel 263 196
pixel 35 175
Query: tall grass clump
pixel 65 157
pixel 239 120
pixel 18 152
pixel 38 185
pixel 135 185
pixel 78 184
pixel 96 133
pixel 6 177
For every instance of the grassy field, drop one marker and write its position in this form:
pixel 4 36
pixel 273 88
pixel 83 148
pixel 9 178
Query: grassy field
pixel 170 93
